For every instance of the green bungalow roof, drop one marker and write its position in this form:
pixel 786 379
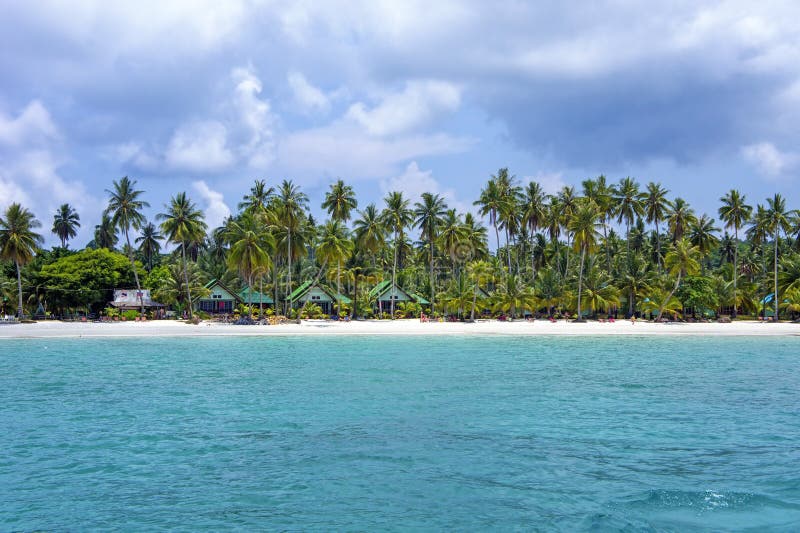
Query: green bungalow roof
pixel 217 282
pixel 301 291
pixel 384 285
pixel 249 295
pixel 420 300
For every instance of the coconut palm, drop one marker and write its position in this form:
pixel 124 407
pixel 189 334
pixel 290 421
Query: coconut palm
pixel 340 201
pixel 598 191
pixel 777 220
pixel 149 245
pixel 105 233
pixel 490 203
pixel 249 253
pixel 429 214
pixel 258 199
pixel 682 260
pixel 19 241
pixel 534 214
pixel 370 230
pixel 702 234
pixel 66 222
pixel 479 272
pixel 125 208
pixel 513 296
pixel 735 213
pixel 629 204
pixel 183 225
pixel 290 213
pixel 583 226
pixel 396 216
pixel 680 219
pixel 656 207
pixel 335 246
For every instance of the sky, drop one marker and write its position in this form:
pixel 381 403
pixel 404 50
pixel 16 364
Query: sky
pixel 207 96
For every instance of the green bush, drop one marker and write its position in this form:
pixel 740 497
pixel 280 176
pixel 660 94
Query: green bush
pixel 130 314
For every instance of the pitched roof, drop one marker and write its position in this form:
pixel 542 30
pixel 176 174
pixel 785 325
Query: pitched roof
pixel 301 291
pixel 250 295
pixel 217 282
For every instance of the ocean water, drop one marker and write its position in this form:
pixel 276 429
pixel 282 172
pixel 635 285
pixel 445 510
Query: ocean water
pixel 391 433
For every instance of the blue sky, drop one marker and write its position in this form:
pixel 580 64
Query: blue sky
pixel 208 96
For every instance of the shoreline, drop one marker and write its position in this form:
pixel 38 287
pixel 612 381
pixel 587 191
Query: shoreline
pixel 408 327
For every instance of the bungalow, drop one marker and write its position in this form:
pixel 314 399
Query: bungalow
pixel 248 295
pixel 317 294
pixel 126 299
pixel 221 299
pixel 383 295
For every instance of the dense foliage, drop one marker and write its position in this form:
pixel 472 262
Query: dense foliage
pixel 602 248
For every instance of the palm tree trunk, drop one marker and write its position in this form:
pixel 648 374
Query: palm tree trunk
pixel 250 297
pixel 260 296
pixel 19 290
pixel 289 274
pixel 735 268
pixel 496 235
pixel 474 301
pixel 775 267
pixel 658 251
pixel 533 259
pixel 508 251
pixel 605 240
pixel 580 282
pixel 339 287
pixel 433 289
pixel 135 274
pixel 671 294
pixel 186 280
pixel 394 270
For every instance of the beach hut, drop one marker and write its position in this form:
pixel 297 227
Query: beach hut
pixel 127 299
pixel 317 294
pixel 248 296
pixel 384 292
pixel 220 300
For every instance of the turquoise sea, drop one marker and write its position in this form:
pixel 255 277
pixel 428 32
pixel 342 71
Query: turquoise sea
pixel 400 433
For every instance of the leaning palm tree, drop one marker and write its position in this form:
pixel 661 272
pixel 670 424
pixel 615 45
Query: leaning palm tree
pixel 583 227
pixel 682 260
pixel 18 241
pixel 396 216
pixel 429 215
pixel 125 208
pixel 340 201
pixel 66 222
pixel 149 244
pixel 777 221
pixel 735 213
pixel 183 224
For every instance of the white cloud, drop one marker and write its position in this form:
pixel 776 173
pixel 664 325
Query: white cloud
pixel 215 208
pixel 308 97
pixel 768 159
pixel 416 106
pixel 32 125
pixel 200 147
pixel 255 117
pixel 414 181
pixel 551 182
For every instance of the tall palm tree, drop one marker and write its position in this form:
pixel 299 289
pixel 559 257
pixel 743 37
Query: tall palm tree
pixel 19 241
pixel 656 207
pixel 258 199
pixel 629 204
pixel 777 221
pixel 534 205
pixel 66 222
pixel 340 201
pixel 490 203
pixel 290 213
pixel 479 273
pixel 583 226
pixel 735 213
pixel 702 234
pixel 249 253
pixel 429 214
pixel 681 218
pixel 396 216
pixel 125 208
pixel 370 230
pixel 598 191
pixel 682 260
pixel 336 246
pixel 183 224
pixel 149 244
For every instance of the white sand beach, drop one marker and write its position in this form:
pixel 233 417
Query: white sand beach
pixel 169 328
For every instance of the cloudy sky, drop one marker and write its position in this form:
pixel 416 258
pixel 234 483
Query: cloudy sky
pixel 418 96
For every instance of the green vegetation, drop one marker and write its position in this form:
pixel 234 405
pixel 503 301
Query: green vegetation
pixel 599 249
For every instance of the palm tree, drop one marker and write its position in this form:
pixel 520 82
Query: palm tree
pixel 183 224
pixel 396 216
pixel 340 201
pixel 249 252
pixel 105 234
pixel 703 236
pixel 429 214
pixel 479 272
pixel 583 226
pixel 534 215
pixel 490 203
pixel 777 221
pixel 681 218
pixel 513 295
pixel 735 213
pixel 258 199
pixel 656 207
pixel 370 230
pixel 600 193
pixel 452 235
pixel 335 246
pixel 290 213
pixel 66 222
pixel 682 260
pixel 125 209
pixel 149 244
pixel 629 204
pixel 18 241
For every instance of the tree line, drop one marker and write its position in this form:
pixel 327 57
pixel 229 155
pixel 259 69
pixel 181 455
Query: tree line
pixel 600 248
